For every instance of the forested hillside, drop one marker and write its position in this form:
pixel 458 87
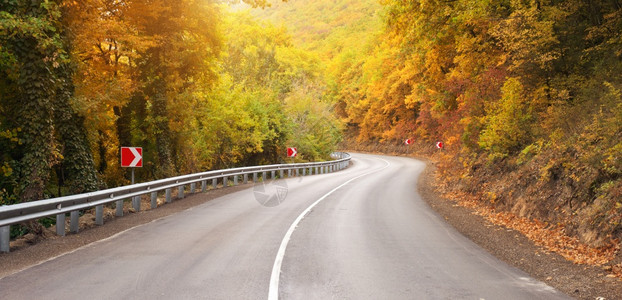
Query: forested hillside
pixel 196 85
pixel 342 33
pixel 328 27
pixel 526 96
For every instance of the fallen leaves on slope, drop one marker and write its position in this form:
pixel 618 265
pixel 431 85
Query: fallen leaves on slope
pixel 551 238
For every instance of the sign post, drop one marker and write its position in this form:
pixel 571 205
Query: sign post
pixel 292 152
pixel 131 157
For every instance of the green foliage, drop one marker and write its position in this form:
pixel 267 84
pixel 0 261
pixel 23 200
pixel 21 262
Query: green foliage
pixel 279 90
pixel 316 131
pixel 507 124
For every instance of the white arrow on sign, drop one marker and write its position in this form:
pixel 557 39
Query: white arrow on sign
pixel 137 157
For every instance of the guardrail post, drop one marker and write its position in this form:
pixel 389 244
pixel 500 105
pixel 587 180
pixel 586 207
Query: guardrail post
pixel 5 238
pixel 225 181
pixel 204 186
pixel 136 203
pixel 297 172
pixel 154 200
pixel 255 177
pixel 235 180
pixel 193 187
pixel 317 170
pixel 180 192
pixel 289 173
pixel 74 223
pixel 215 183
pixel 119 207
pixel 263 176
pixel 281 173
pixel 245 178
pixel 272 175
pixel 168 196
pixel 60 224
pixel 99 215
pixel 304 171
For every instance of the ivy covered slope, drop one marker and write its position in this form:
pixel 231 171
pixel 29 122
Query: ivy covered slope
pixel 196 85
pixel 40 129
pixel 527 96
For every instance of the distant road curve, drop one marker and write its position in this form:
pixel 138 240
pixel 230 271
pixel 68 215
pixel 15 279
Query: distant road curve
pixel 360 233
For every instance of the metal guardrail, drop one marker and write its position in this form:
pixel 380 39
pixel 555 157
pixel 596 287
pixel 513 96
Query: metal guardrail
pixel 22 212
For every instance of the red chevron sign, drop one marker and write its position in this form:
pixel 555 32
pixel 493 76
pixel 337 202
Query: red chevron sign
pixel 132 157
pixel 291 152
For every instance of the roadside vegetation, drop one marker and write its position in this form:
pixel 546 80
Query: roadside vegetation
pixel 195 84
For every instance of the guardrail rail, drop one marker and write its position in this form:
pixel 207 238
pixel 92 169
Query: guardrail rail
pixel 72 205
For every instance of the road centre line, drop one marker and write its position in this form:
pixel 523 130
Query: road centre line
pixel 273 292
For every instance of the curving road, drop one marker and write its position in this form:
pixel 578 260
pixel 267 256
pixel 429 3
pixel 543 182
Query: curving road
pixel 361 233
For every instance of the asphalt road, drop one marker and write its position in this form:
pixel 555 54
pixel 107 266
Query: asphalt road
pixel 360 233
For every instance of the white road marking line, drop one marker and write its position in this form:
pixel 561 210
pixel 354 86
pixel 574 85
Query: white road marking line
pixel 273 293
